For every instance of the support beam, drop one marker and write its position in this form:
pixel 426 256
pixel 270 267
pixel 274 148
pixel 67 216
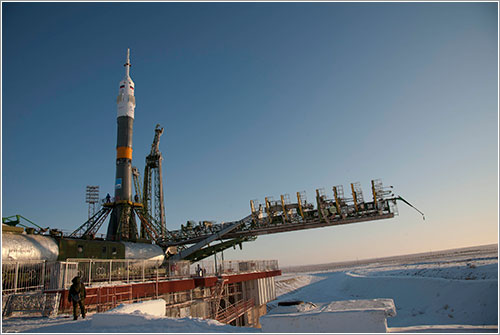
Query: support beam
pixel 185 253
pixel 284 209
pixel 354 197
pixel 299 202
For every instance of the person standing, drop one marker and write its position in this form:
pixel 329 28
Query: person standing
pixel 77 295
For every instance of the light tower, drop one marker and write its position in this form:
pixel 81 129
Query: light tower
pixel 122 225
pixel 92 198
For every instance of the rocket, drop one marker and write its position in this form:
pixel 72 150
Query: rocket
pixel 122 222
pixel 125 119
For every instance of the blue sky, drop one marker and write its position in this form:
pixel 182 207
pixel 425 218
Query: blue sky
pixel 261 99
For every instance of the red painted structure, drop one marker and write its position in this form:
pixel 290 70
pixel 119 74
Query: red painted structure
pixel 105 297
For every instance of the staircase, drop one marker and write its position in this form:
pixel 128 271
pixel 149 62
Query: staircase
pixel 234 311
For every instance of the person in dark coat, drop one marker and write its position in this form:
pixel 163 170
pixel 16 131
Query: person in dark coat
pixel 77 295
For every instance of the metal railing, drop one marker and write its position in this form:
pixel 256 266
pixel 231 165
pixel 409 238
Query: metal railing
pixel 232 267
pixel 27 276
pixel 100 271
pixel 31 276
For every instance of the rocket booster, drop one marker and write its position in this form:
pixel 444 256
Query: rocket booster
pixel 123 182
pixel 125 119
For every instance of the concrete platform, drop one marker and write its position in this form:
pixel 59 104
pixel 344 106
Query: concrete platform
pixel 348 316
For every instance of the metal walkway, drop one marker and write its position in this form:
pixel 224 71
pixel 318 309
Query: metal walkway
pixel 282 216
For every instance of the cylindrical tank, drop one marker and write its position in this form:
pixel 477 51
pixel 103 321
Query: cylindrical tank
pixel 27 247
pixel 143 251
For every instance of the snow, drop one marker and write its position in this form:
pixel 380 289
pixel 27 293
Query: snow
pixel 292 282
pixel 450 270
pixel 458 287
pixel 136 323
pixel 129 314
pixel 147 316
pixel 445 329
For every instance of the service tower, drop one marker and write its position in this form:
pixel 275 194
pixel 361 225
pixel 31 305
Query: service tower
pixel 122 225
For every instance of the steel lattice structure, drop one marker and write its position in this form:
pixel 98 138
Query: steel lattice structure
pixel 153 186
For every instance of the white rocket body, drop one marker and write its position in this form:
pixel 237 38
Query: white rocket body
pixel 126 98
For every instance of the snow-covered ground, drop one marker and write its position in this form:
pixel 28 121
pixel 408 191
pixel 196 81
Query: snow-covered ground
pixel 291 282
pixel 456 287
pixel 143 317
pixel 449 291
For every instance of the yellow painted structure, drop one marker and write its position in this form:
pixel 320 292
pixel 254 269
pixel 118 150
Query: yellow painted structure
pixel 354 197
pixel 299 201
pixel 284 207
pixel 336 196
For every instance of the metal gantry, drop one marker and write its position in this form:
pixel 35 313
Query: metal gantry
pixel 279 216
pixel 152 200
pixel 90 227
pixel 195 241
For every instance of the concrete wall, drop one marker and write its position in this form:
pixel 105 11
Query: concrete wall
pixel 340 322
pixel 260 290
pixel 253 316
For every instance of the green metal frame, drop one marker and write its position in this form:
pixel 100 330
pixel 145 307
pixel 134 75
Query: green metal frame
pixel 9 221
pixel 209 251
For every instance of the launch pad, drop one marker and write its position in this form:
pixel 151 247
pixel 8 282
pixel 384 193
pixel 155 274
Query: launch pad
pixel 195 241
pixel 192 241
pixel 154 261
